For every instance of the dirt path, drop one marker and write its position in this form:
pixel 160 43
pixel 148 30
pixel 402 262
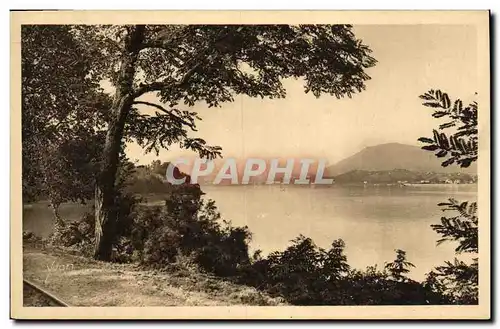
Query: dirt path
pixel 82 282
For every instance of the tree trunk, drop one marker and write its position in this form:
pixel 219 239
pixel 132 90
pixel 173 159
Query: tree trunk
pixel 58 221
pixel 105 193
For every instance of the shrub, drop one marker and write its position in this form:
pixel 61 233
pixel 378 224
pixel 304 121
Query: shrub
pixel 33 240
pixel 191 226
pixel 156 235
pixel 79 234
pixel 307 275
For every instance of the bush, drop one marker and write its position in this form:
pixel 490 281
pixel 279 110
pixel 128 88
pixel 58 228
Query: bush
pixel 190 226
pixel 156 235
pixel 307 275
pixel 80 231
pixel 80 234
pixel 33 239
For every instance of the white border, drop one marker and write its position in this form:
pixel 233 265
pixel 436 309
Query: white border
pixel 186 4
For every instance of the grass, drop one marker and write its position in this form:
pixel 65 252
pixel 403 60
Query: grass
pixel 84 282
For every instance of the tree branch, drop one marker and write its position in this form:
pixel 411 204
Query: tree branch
pixel 158 43
pixel 173 116
pixel 156 86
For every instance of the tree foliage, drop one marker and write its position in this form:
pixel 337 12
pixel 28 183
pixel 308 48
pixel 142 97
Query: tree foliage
pixel 187 64
pixel 461 146
pixel 63 116
pixel 400 266
pixel 305 274
pixel 462 228
pixel 456 280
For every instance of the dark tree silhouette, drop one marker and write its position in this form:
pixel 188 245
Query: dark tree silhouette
pixel 205 63
pixel 63 117
pixel 456 279
pixel 459 147
pixel 400 266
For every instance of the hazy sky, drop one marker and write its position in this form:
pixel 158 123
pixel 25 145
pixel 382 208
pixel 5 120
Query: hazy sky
pixel 411 60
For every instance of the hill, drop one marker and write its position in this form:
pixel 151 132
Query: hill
pixel 386 157
pixel 151 179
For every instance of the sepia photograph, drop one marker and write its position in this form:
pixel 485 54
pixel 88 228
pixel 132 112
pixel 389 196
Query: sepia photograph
pixel 250 165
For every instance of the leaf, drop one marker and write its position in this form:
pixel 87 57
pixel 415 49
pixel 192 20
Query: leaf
pixel 431 104
pixel 457 106
pixel 443 141
pixel 447 125
pixel 426 97
pixel 439 94
pixel 430 147
pixel 441 153
pixel 448 162
pixel 425 140
pixel 436 135
pixel 445 100
pixel 439 114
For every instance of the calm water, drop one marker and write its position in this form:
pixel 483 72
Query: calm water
pixel 373 221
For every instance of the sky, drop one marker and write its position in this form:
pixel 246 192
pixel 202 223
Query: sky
pixel 411 60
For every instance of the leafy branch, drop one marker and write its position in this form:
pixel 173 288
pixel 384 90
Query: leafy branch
pixel 183 117
pixel 457 280
pixel 166 128
pixel 462 228
pixel 400 266
pixel 461 147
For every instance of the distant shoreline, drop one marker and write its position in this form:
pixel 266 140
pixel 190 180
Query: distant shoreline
pixel 341 185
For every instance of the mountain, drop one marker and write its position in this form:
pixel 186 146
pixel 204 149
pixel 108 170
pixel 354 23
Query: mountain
pixel 386 157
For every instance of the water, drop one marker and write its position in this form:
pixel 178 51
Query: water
pixel 373 221
pixel 39 219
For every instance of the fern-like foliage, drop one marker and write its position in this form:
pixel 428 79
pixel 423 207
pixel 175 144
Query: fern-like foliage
pixel 457 281
pixel 462 228
pixel 460 146
pixel 400 266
